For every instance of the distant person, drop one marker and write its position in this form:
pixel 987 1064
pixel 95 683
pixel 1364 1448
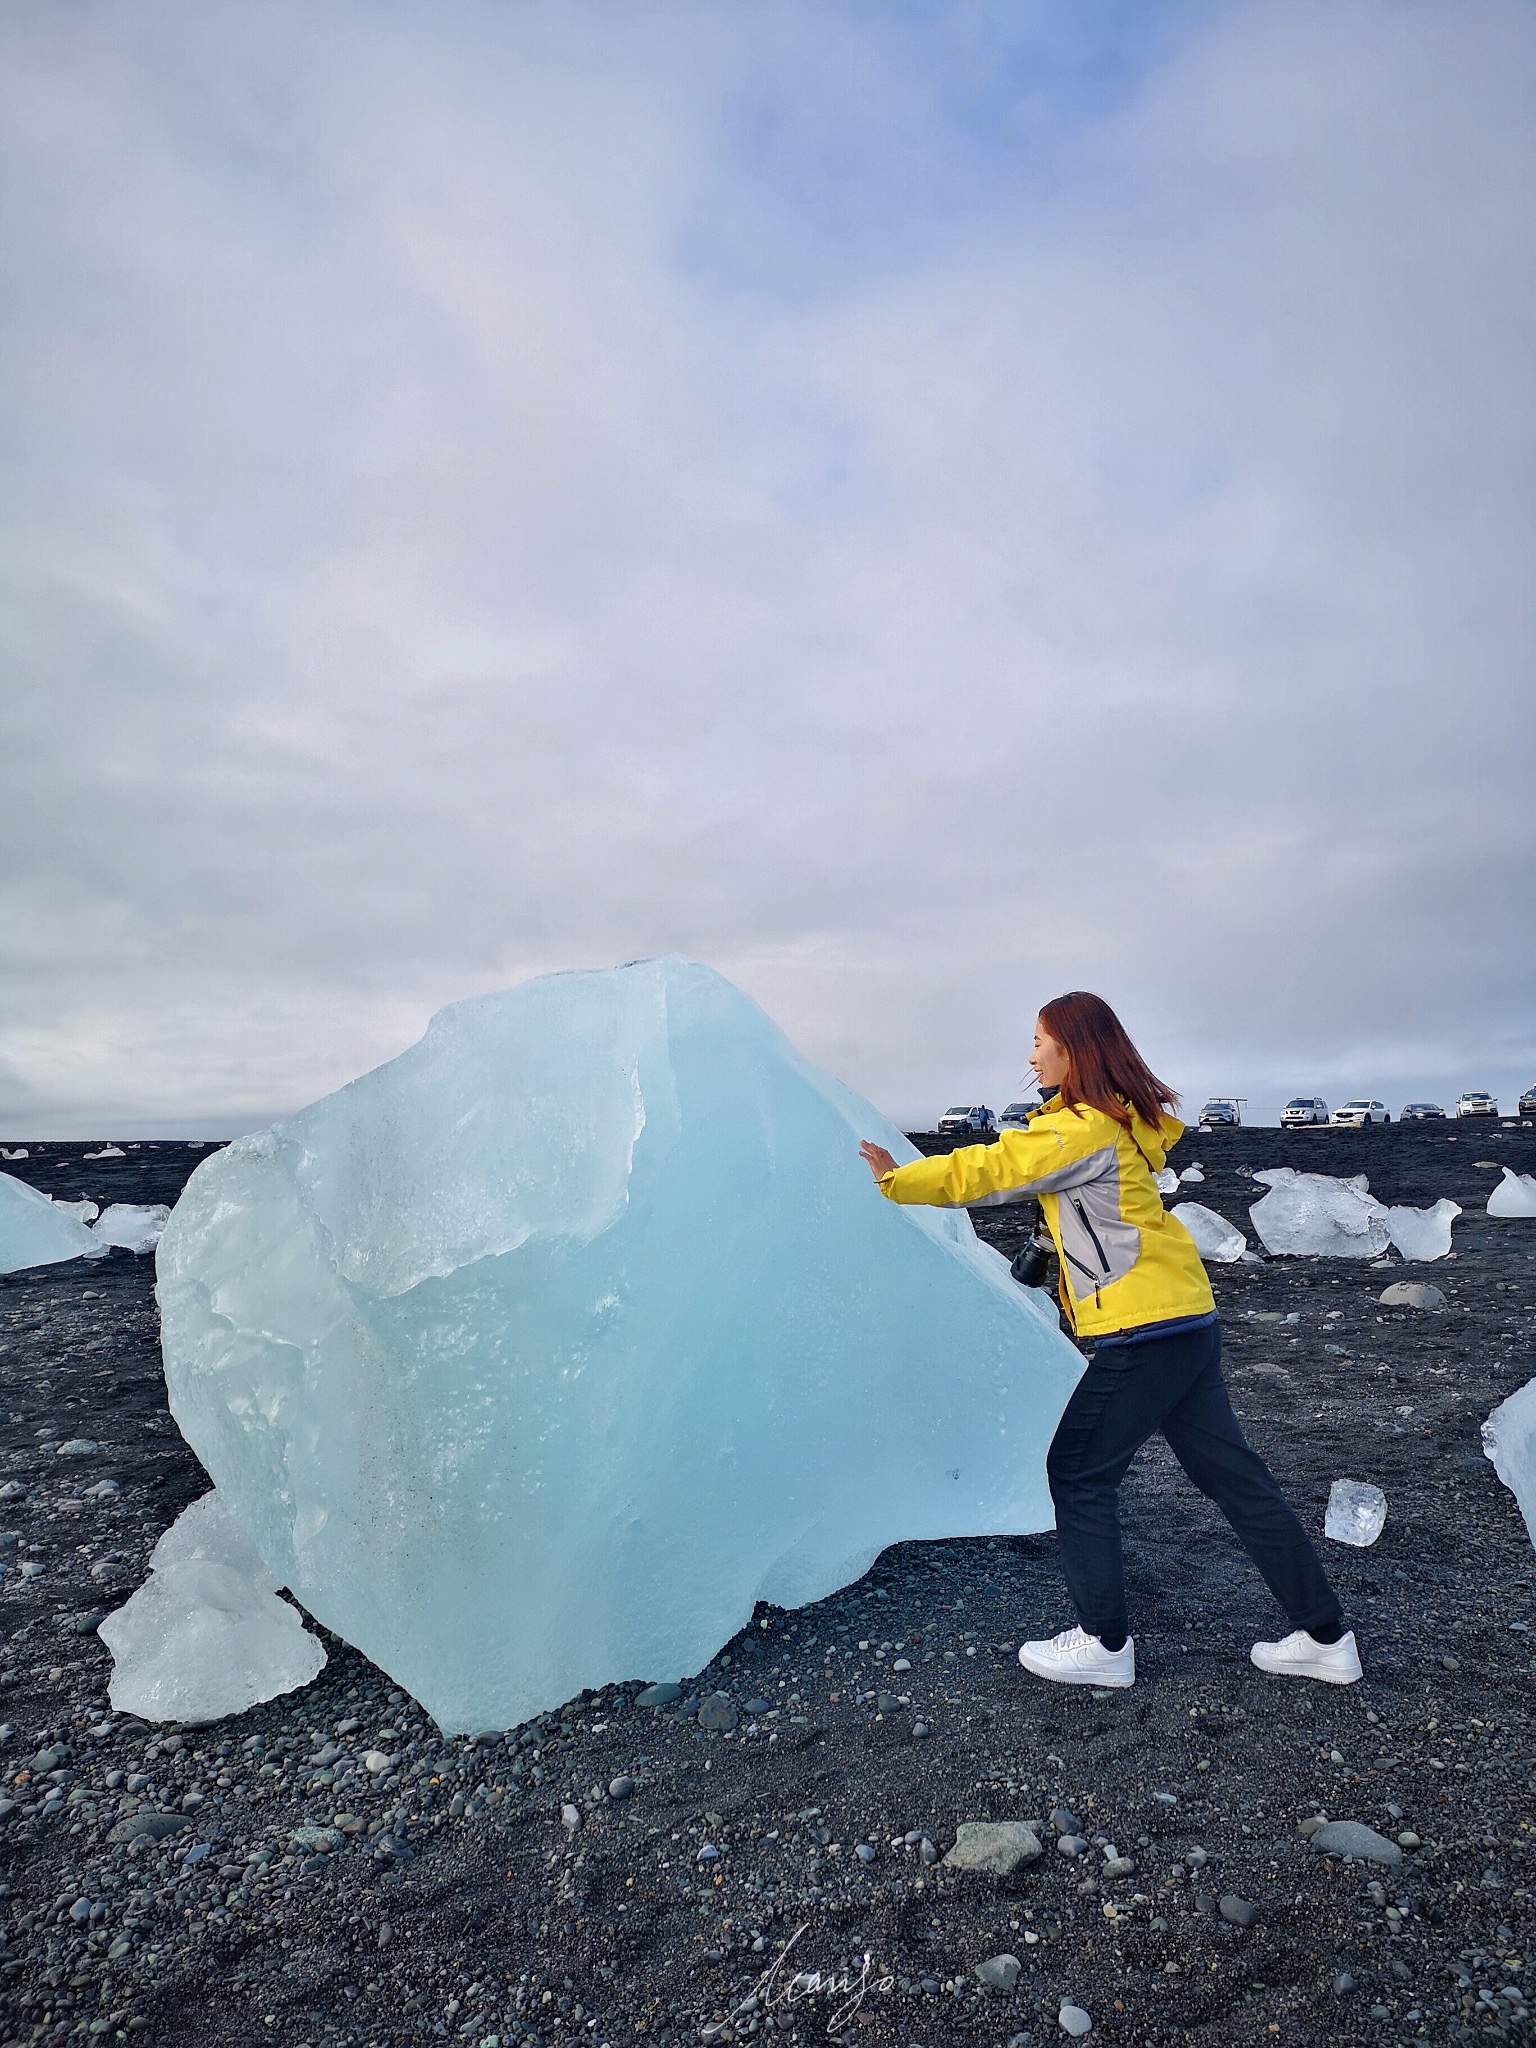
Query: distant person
pixel 1132 1281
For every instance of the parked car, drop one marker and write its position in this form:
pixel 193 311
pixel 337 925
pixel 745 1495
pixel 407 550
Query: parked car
pixel 1305 1109
pixel 1361 1112
pixel 1477 1102
pixel 1221 1109
pixel 1017 1115
pixel 975 1122
pixel 1420 1112
pixel 1528 1101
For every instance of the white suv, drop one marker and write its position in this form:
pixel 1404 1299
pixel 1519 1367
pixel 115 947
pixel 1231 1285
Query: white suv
pixel 1362 1112
pixel 1305 1109
pixel 1477 1102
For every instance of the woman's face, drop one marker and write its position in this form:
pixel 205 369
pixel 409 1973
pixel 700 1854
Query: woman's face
pixel 1048 1059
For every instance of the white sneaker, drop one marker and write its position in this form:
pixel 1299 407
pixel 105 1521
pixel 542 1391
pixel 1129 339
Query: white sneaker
pixel 1077 1658
pixel 1300 1656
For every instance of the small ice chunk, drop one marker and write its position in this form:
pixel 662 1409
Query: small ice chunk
pixel 1215 1238
pixel 1423 1233
pixel 1509 1441
pixel 1315 1215
pixel 37 1232
pixel 1167 1181
pixel 19 1153
pixel 135 1227
pixel 1515 1195
pixel 1356 1514
pixel 83 1212
pixel 206 1634
pixel 1192 1174
pixel 106 1152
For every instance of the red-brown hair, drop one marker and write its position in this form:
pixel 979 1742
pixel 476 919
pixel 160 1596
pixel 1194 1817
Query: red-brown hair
pixel 1106 1071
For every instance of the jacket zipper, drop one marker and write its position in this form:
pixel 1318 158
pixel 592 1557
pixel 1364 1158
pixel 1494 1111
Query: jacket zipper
pixel 1103 1273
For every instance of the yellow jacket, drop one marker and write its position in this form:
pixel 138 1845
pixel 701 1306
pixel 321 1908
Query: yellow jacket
pixel 1124 1260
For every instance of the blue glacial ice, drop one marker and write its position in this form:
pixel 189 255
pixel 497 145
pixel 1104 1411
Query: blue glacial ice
pixel 135 1226
pixel 1509 1442
pixel 1215 1238
pixel 206 1634
pixel 37 1232
pixel 1315 1215
pixel 1515 1195
pixel 532 1359
pixel 1423 1234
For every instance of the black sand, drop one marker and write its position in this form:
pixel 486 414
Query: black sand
pixel 462 1907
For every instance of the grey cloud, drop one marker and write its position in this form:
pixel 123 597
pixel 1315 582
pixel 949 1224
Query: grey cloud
pixel 422 572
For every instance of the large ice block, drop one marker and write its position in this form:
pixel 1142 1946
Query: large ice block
pixel 1315 1215
pixel 1515 1195
pixel 531 1360
pixel 37 1232
pixel 136 1226
pixel 1509 1440
pixel 206 1635
pixel 1423 1233
pixel 1215 1238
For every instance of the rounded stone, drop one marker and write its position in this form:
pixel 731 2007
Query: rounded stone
pixel 717 1713
pixel 1354 1838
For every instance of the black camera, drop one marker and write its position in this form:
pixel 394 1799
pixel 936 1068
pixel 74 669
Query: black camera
pixel 1031 1266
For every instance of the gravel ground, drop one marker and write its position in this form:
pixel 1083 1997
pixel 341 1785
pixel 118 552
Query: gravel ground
pixel 771 1862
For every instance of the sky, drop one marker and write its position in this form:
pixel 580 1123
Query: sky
pixel 920 507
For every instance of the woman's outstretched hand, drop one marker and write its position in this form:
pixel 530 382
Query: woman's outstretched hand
pixel 877 1159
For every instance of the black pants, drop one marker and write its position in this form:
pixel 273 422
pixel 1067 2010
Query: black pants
pixel 1173 1384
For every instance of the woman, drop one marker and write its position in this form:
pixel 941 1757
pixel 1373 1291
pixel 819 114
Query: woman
pixel 1132 1281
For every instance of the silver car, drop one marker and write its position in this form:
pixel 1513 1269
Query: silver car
pixel 1361 1112
pixel 1304 1109
pixel 974 1120
pixel 1221 1109
pixel 1477 1102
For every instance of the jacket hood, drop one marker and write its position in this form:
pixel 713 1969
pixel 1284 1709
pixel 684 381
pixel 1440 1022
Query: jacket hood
pixel 1156 1141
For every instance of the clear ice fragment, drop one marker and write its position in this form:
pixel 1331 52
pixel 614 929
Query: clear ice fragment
pixel 37 1232
pixel 19 1153
pixel 106 1152
pixel 1357 1513
pixel 1423 1233
pixel 1215 1238
pixel 136 1227
pixel 1167 1181
pixel 83 1212
pixel 1192 1174
pixel 1509 1442
pixel 206 1634
pixel 1515 1195
pixel 1314 1215
pixel 533 1359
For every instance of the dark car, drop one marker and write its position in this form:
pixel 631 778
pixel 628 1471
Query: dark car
pixel 1420 1112
pixel 1018 1114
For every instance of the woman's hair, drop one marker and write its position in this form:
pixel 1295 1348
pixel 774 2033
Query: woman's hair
pixel 1106 1070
